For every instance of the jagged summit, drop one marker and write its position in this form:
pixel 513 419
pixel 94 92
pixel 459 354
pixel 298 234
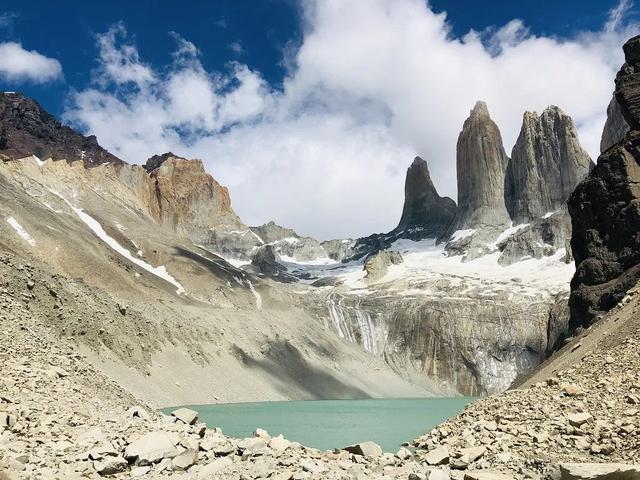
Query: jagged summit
pixel 547 162
pixel 481 163
pixel 27 129
pixel 157 160
pixel 424 209
pixel 480 109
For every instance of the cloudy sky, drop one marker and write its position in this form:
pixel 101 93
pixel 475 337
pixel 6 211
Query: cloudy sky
pixel 310 111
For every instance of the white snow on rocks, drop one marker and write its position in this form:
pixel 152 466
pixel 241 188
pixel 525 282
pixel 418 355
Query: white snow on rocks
pixel 424 259
pixel 507 233
pixel 21 231
pixel 255 294
pixel 94 225
pixel 460 234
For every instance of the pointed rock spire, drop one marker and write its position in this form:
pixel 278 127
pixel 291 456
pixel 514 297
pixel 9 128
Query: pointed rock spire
pixel 547 162
pixel 481 163
pixel 423 208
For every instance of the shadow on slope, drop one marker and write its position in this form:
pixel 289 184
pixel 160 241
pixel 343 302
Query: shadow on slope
pixel 284 363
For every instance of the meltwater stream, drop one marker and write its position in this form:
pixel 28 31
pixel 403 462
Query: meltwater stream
pixel 328 424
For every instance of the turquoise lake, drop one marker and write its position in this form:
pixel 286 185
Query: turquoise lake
pixel 327 424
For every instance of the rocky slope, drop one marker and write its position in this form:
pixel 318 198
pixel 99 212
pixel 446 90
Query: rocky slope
pixel 27 129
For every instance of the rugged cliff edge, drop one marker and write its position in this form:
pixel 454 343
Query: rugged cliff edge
pixel 605 211
pixel 27 129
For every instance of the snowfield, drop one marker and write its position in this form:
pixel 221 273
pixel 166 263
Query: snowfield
pixel 22 233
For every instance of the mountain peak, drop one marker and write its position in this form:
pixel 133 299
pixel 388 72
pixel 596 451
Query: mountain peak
pixel 481 162
pixel 28 129
pixel 480 109
pixel 424 209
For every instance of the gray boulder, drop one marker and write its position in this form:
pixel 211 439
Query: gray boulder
pixel 365 449
pixel 186 415
pixel 599 471
pixel 151 448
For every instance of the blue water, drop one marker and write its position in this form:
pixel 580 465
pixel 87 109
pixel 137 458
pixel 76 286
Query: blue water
pixel 327 424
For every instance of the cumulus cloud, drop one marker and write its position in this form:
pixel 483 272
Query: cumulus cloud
pixel 18 64
pixel 373 83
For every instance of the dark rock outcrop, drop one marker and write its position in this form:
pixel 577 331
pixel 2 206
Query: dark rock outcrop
pixel 627 90
pixel 27 129
pixel 425 213
pixel 605 212
pixel 615 128
pixel 481 163
pixel 547 162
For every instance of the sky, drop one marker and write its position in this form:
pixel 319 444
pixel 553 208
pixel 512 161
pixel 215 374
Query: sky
pixel 310 111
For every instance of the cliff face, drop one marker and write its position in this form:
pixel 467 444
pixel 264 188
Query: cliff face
pixel 615 128
pixel 605 211
pixel 188 198
pixel 547 162
pixel 425 212
pixel 481 163
pixel 27 129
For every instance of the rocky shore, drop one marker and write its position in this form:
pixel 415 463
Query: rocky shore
pixel 62 419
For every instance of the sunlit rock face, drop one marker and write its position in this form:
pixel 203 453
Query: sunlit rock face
pixel 481 163
pixel 547 162
pixel 615 128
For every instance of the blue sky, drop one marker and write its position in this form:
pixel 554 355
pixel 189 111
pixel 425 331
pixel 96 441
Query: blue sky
pixel 311 110
pixel 256 32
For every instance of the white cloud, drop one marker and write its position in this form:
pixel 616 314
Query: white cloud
pixel 373 83
pixel 18 64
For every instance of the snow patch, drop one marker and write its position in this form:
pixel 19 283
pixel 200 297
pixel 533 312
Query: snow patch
pixel 460 234
pixel 21 231
pixel 507 233
pixel 255 294
pixel 548 214
pixel 94 225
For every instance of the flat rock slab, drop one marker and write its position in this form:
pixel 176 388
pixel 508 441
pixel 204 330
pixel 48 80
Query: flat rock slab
pixel 487 475
pixel 599 471
pixel 186 415
pixel 151 448
pixel 366 449
pixel 438 456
